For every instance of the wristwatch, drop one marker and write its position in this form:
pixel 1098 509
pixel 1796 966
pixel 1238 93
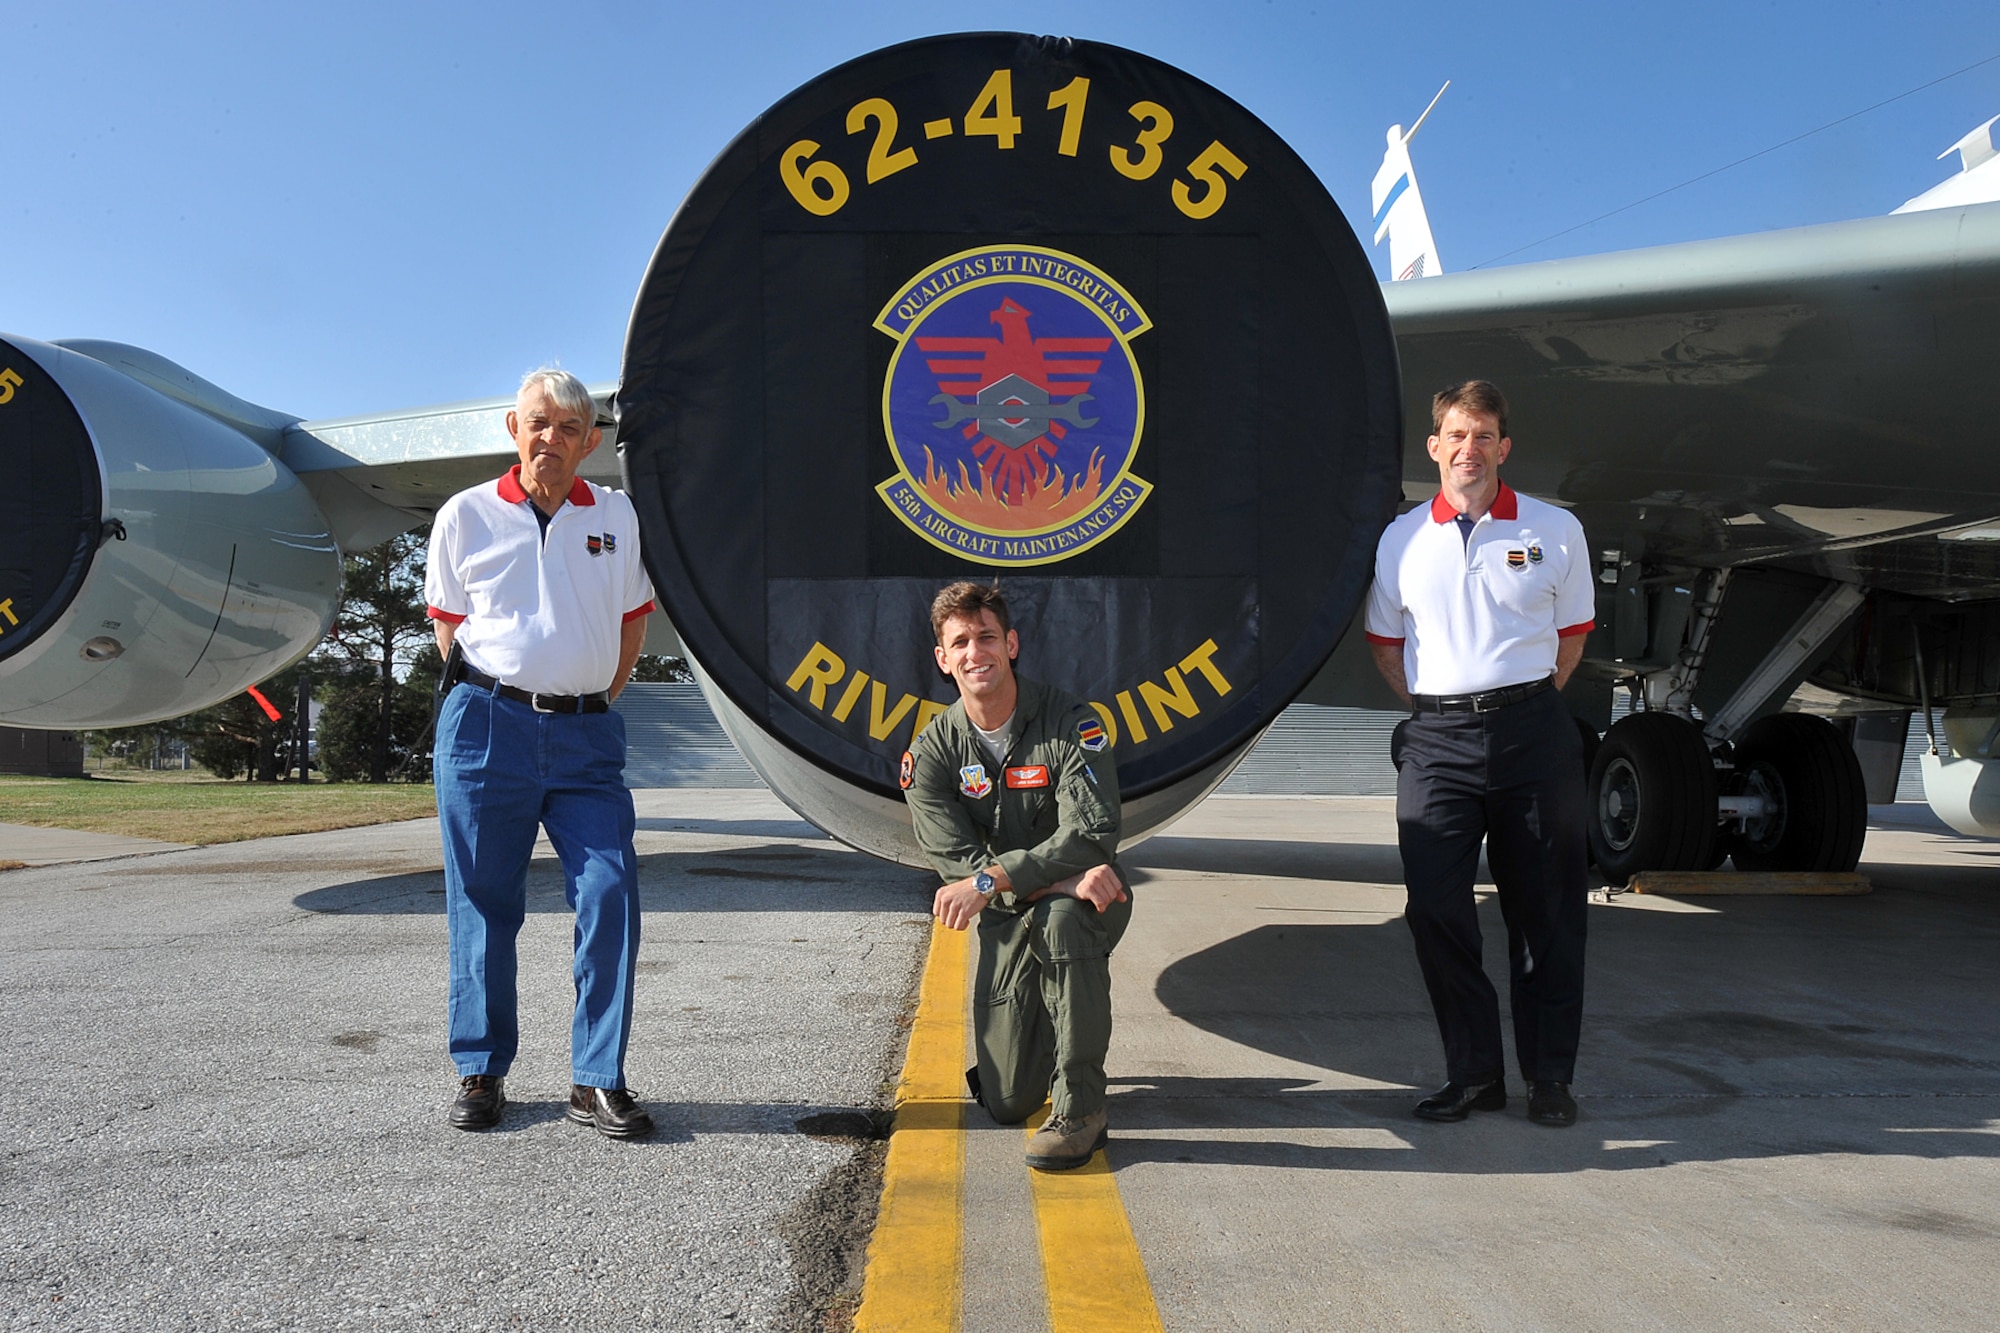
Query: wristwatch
pixel 986 884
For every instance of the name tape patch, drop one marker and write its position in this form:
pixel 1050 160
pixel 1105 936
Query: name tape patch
pixel 1030 775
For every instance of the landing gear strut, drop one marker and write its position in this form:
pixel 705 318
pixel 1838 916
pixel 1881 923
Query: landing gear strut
pixel 1784 792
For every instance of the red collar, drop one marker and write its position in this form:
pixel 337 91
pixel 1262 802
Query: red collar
pixel 1505 505
pixel 511 492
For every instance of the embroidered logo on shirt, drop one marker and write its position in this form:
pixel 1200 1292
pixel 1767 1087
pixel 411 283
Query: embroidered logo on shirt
pixel 1535 552
pixel 973 782
pixel 1517 559
pixel 1090 734
pixel 611 544
pixel 1033 775
pixel 594 544
pixel 908 773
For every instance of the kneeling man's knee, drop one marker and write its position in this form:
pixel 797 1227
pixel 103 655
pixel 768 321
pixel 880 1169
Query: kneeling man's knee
pixel 1073 932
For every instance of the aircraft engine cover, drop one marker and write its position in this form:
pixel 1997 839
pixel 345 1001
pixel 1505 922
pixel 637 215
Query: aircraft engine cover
pixel 1004 307
pixel 153 560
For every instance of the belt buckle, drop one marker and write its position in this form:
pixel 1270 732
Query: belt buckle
pixel 1487 702
pixel 535 702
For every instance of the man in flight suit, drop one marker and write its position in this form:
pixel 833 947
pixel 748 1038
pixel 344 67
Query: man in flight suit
pixel 1015 800
pixel 1481 602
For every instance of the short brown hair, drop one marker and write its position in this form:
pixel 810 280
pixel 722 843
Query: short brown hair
pixel 967 600
pixel 1481 396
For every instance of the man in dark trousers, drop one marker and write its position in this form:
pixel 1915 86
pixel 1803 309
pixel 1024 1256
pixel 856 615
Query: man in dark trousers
pixel 1481 602
pixel 535 581
pixel 1014 796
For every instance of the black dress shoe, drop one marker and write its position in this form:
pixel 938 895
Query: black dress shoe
pixel 610 1111
pixel 1551 1104
pixel 480 1097
pixel 1455 1101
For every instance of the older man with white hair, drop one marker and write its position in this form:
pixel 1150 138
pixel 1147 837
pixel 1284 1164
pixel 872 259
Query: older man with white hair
pixel 539 600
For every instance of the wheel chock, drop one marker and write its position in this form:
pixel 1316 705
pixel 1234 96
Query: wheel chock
pixel 1805 883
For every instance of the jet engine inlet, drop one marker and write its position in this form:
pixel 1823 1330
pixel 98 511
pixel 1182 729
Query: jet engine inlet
pixel 51 509
pixel 1003 307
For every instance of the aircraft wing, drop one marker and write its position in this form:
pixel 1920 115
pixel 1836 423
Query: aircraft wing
pixel 1813 397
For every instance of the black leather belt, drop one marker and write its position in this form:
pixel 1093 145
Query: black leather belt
pixel 541 703
pixel 1480 703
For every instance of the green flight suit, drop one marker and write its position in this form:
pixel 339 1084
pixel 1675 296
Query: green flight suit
pixel 1041 1017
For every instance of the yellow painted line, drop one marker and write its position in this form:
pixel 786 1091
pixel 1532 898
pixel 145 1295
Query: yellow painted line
pixel 916 1256
pixel 1096 1281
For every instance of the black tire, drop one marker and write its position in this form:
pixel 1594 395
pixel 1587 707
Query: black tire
pixel 1806 768
pixel 1591 741
pixel 1651 798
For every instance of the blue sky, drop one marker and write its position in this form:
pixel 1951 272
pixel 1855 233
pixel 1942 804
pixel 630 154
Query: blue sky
pixel 351 208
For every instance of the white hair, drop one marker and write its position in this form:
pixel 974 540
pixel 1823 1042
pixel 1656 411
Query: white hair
pixel 565 388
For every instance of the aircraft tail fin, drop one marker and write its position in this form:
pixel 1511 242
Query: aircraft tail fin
pixel 1399 207
pixel 1978 178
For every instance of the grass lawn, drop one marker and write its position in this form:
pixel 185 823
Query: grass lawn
pixel 185 807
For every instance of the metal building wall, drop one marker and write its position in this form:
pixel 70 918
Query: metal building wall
pixel 673 740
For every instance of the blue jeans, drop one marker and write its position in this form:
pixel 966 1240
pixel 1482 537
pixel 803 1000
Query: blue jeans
pixel 501 770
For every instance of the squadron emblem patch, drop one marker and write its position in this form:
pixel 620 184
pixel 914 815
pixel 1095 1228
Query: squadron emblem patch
pixel 1535 552
pixel 594 544
pixel 1090 734
pixel 973 782
pixel 1517 559
pixel 1013 405
pixel 908 772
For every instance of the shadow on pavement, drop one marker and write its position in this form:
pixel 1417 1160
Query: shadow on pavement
pixel 1757 1027
pixel 773 878
pixel 741 828
pixel 1356 863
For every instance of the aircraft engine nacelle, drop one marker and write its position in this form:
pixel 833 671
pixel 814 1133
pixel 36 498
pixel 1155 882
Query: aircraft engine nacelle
pixel 152 559
pixel 1007 335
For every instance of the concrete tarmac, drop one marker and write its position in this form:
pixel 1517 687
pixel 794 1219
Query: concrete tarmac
pixel 1790 1107
pixel 227 1088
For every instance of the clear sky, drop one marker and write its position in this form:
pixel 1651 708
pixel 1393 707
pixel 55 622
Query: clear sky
pixel 336 209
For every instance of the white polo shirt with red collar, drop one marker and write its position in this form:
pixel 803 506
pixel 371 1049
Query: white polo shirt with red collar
pixel 1484 612
pixel 543 612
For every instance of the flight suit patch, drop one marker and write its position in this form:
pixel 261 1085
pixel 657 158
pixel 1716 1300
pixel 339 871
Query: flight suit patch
pixel 973 782
pixel 1090 734
pixel 908 773
pixel 1517 559
pixel 1031 775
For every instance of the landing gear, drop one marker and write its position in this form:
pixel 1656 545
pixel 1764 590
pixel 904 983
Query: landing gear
pixel 1652 798
pixel 1815 802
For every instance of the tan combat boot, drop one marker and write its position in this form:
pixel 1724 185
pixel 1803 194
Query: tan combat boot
pixel 1066 1142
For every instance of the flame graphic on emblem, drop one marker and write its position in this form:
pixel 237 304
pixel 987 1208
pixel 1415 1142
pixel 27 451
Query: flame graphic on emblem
pixel 1043 500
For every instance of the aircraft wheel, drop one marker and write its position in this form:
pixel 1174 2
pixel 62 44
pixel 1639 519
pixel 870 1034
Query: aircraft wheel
pixel 1808 775
pixel 1591 741
pixel 1652 798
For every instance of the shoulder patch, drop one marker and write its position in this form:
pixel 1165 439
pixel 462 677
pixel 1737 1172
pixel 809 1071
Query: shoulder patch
pixel 908 772
pixel 1090 733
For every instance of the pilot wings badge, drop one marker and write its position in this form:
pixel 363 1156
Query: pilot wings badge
pixel 1013 405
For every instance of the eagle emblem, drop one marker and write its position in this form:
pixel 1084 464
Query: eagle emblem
pixel 1013 405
